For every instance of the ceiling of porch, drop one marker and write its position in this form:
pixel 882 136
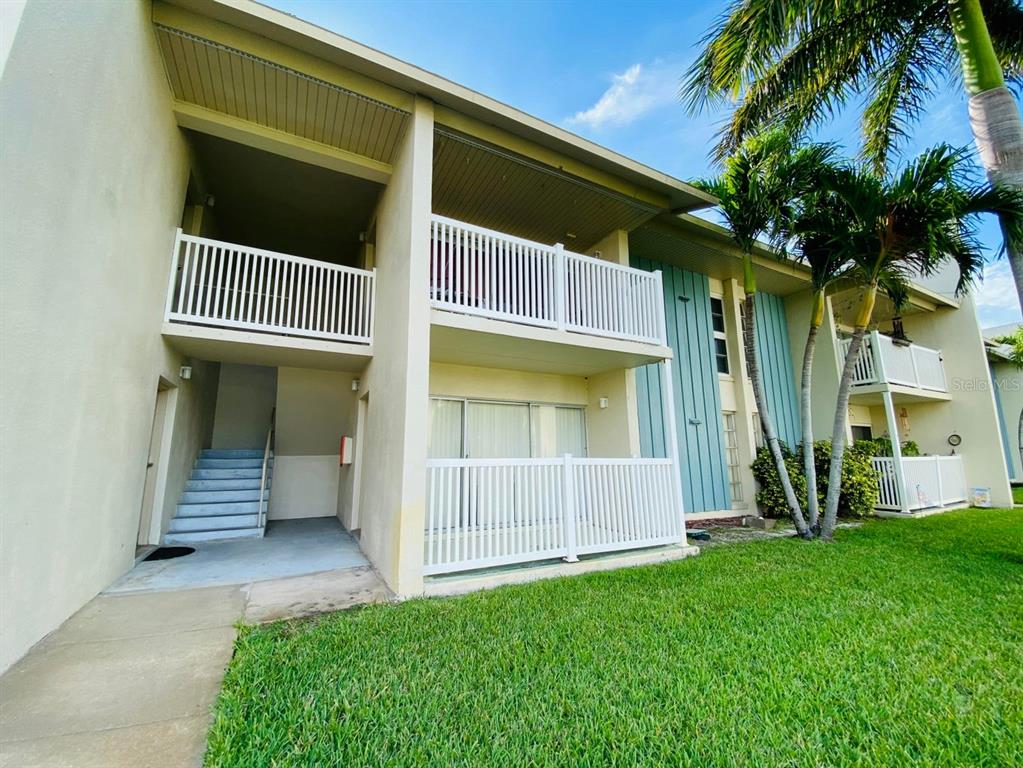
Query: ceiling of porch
pixel 268 201
pixel 232 82
pixel 495 188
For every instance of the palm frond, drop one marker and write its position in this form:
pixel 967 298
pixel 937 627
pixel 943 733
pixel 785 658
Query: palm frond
pixel 900 90
pixel 748 34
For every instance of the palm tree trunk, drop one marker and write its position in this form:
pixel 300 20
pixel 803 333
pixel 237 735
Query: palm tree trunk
pixel 841 413
pixel 749 342
pixel 806 412
pixel 994 113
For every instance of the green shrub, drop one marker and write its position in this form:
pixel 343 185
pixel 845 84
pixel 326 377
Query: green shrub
pixel 769 493
pixel 882 446
pixel 859 480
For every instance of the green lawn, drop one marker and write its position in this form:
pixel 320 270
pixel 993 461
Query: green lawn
pixel 899 644
pixel 1017 494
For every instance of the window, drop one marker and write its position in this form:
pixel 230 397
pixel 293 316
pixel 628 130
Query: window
pixel 717 317
pixel 861 433
pixel 486 429
pixel 758 431
pixel 732 457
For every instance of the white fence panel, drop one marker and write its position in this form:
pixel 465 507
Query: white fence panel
pixel 929 368
pixel 608 299
pixel 929 481
pixel 489 512
pixel 953 479
pixel 235 286
pixel 864 372
pixel 482 272
pixel 887 481
pixel 922 482
pixel 622 505
pixel 882 360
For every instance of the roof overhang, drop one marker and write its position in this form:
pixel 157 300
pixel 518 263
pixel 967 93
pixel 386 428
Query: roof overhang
pixel 280 29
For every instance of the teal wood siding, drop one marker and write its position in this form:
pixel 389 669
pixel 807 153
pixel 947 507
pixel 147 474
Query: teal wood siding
pixel 1010 465
pixel 775 358
pixel 695 389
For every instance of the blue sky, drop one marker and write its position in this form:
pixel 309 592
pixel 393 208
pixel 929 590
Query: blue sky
pixel 609 72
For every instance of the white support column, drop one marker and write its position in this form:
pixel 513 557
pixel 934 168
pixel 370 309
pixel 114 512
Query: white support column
pixel 893 434
pixel 671 436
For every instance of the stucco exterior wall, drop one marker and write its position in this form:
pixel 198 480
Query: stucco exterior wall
pixel 971 413
pixel 192 430
pixel 314 409
pixel 392 504
pixel 614 431
pixel 245 402
pixel 94 172
pixel 498 384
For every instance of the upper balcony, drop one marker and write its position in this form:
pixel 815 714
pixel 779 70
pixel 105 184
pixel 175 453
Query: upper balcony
pixel 885 362
pixel 543 297
pixel 241 304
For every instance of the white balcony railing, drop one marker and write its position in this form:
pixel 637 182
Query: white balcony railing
pixel 928 481
pixel 488 512
pixel 882 360
pixel 481 272
pixel 236 286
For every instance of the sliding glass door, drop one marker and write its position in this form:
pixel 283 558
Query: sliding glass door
pixel 484 429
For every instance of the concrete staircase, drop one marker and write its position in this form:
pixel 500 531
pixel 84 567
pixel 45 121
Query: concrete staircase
pixel 221 499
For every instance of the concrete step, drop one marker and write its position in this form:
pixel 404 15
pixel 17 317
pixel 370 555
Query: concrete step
pixel 191 537
pixel 222 474
pixel 217 523
pixel 225 484
pixel 256 463
pixel 220 496
pixel 231 453
pixel 215 510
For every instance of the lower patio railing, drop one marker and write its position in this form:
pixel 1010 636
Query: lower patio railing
pixel 489 512
pixel 928 481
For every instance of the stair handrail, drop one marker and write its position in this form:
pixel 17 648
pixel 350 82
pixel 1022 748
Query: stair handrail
pixel 264 505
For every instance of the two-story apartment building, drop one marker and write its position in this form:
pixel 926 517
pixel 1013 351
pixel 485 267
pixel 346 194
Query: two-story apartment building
pixel 254 271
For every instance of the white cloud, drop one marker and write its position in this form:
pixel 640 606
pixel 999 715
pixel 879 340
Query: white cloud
pixel 632 94
pixel 996 299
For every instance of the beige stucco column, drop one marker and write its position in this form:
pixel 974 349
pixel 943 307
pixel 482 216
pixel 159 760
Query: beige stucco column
pixel 396 383
pixel 613 432
pixel 744 405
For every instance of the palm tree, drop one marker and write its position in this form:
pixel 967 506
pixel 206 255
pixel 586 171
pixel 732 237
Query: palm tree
pixel 796 62
pixel 810 235
pixel 892 229
pixel 755 193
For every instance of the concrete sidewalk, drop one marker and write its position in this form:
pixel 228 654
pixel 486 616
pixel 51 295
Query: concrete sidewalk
pixel 131 679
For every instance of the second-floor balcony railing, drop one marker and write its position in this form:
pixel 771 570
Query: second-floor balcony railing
pixel 481 272
pixel 883 360
pixel 236 286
